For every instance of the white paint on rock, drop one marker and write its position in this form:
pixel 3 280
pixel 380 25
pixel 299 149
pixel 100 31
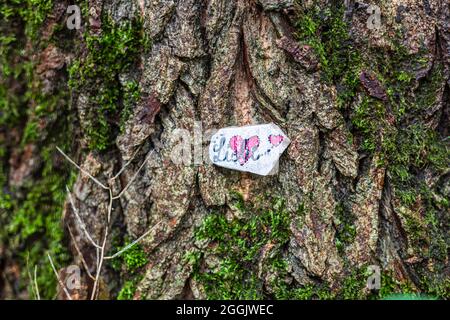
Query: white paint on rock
pixel 254 149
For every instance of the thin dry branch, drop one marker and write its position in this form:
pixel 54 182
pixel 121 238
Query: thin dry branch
pixel 100 264
pixel 134 177
pixel 58 277
pixel 132 244
pixel 100 249
pixel 82 170
pixel 126 164
pixel 33 281
pixel 80 221
pixel 36 284
pixel 83 261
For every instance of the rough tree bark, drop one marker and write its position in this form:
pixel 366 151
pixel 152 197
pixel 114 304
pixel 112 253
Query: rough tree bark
pixel 363 182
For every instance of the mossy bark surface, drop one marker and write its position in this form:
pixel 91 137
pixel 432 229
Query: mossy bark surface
pixel 364 182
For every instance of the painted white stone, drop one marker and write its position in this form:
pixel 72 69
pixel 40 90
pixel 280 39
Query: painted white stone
pixel 255 148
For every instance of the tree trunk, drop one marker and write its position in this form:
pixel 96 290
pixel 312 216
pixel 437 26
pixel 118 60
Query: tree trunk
pixel 362 189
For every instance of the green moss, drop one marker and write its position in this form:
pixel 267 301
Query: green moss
pixel 134 258
pixel 34 226
pixel 285 291
pixel 32 12
pixel 435 232
pixel 31 132
pixel 390 286
pixel 345 228
pixel 30 216
pixel 34 222
pixel 366 122
pixel 328 34
pixel 396 130
pixel 109 55
pixel 127 291
pixel 341 64
pixel 436 286
pixel 129 265
pixel 427 92
pixel 238 244
pixel 353 285
pixel 414 147
pixel 408 152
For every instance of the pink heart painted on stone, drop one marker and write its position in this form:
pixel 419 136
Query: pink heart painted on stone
pixel 275 140
pixel 244 148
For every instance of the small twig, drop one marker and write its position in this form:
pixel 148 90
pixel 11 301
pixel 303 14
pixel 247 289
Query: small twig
pixel 101 256
pixel 134 177
pixel 36 284
pixel 126 164
pixel 58 278
pixel 100 264
pixel 97 253
pixel 80 221
pixel 82 170
pixel 100 250
pixel 33 288
pixel 132 244
pixel 83 261
pixel 111 198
